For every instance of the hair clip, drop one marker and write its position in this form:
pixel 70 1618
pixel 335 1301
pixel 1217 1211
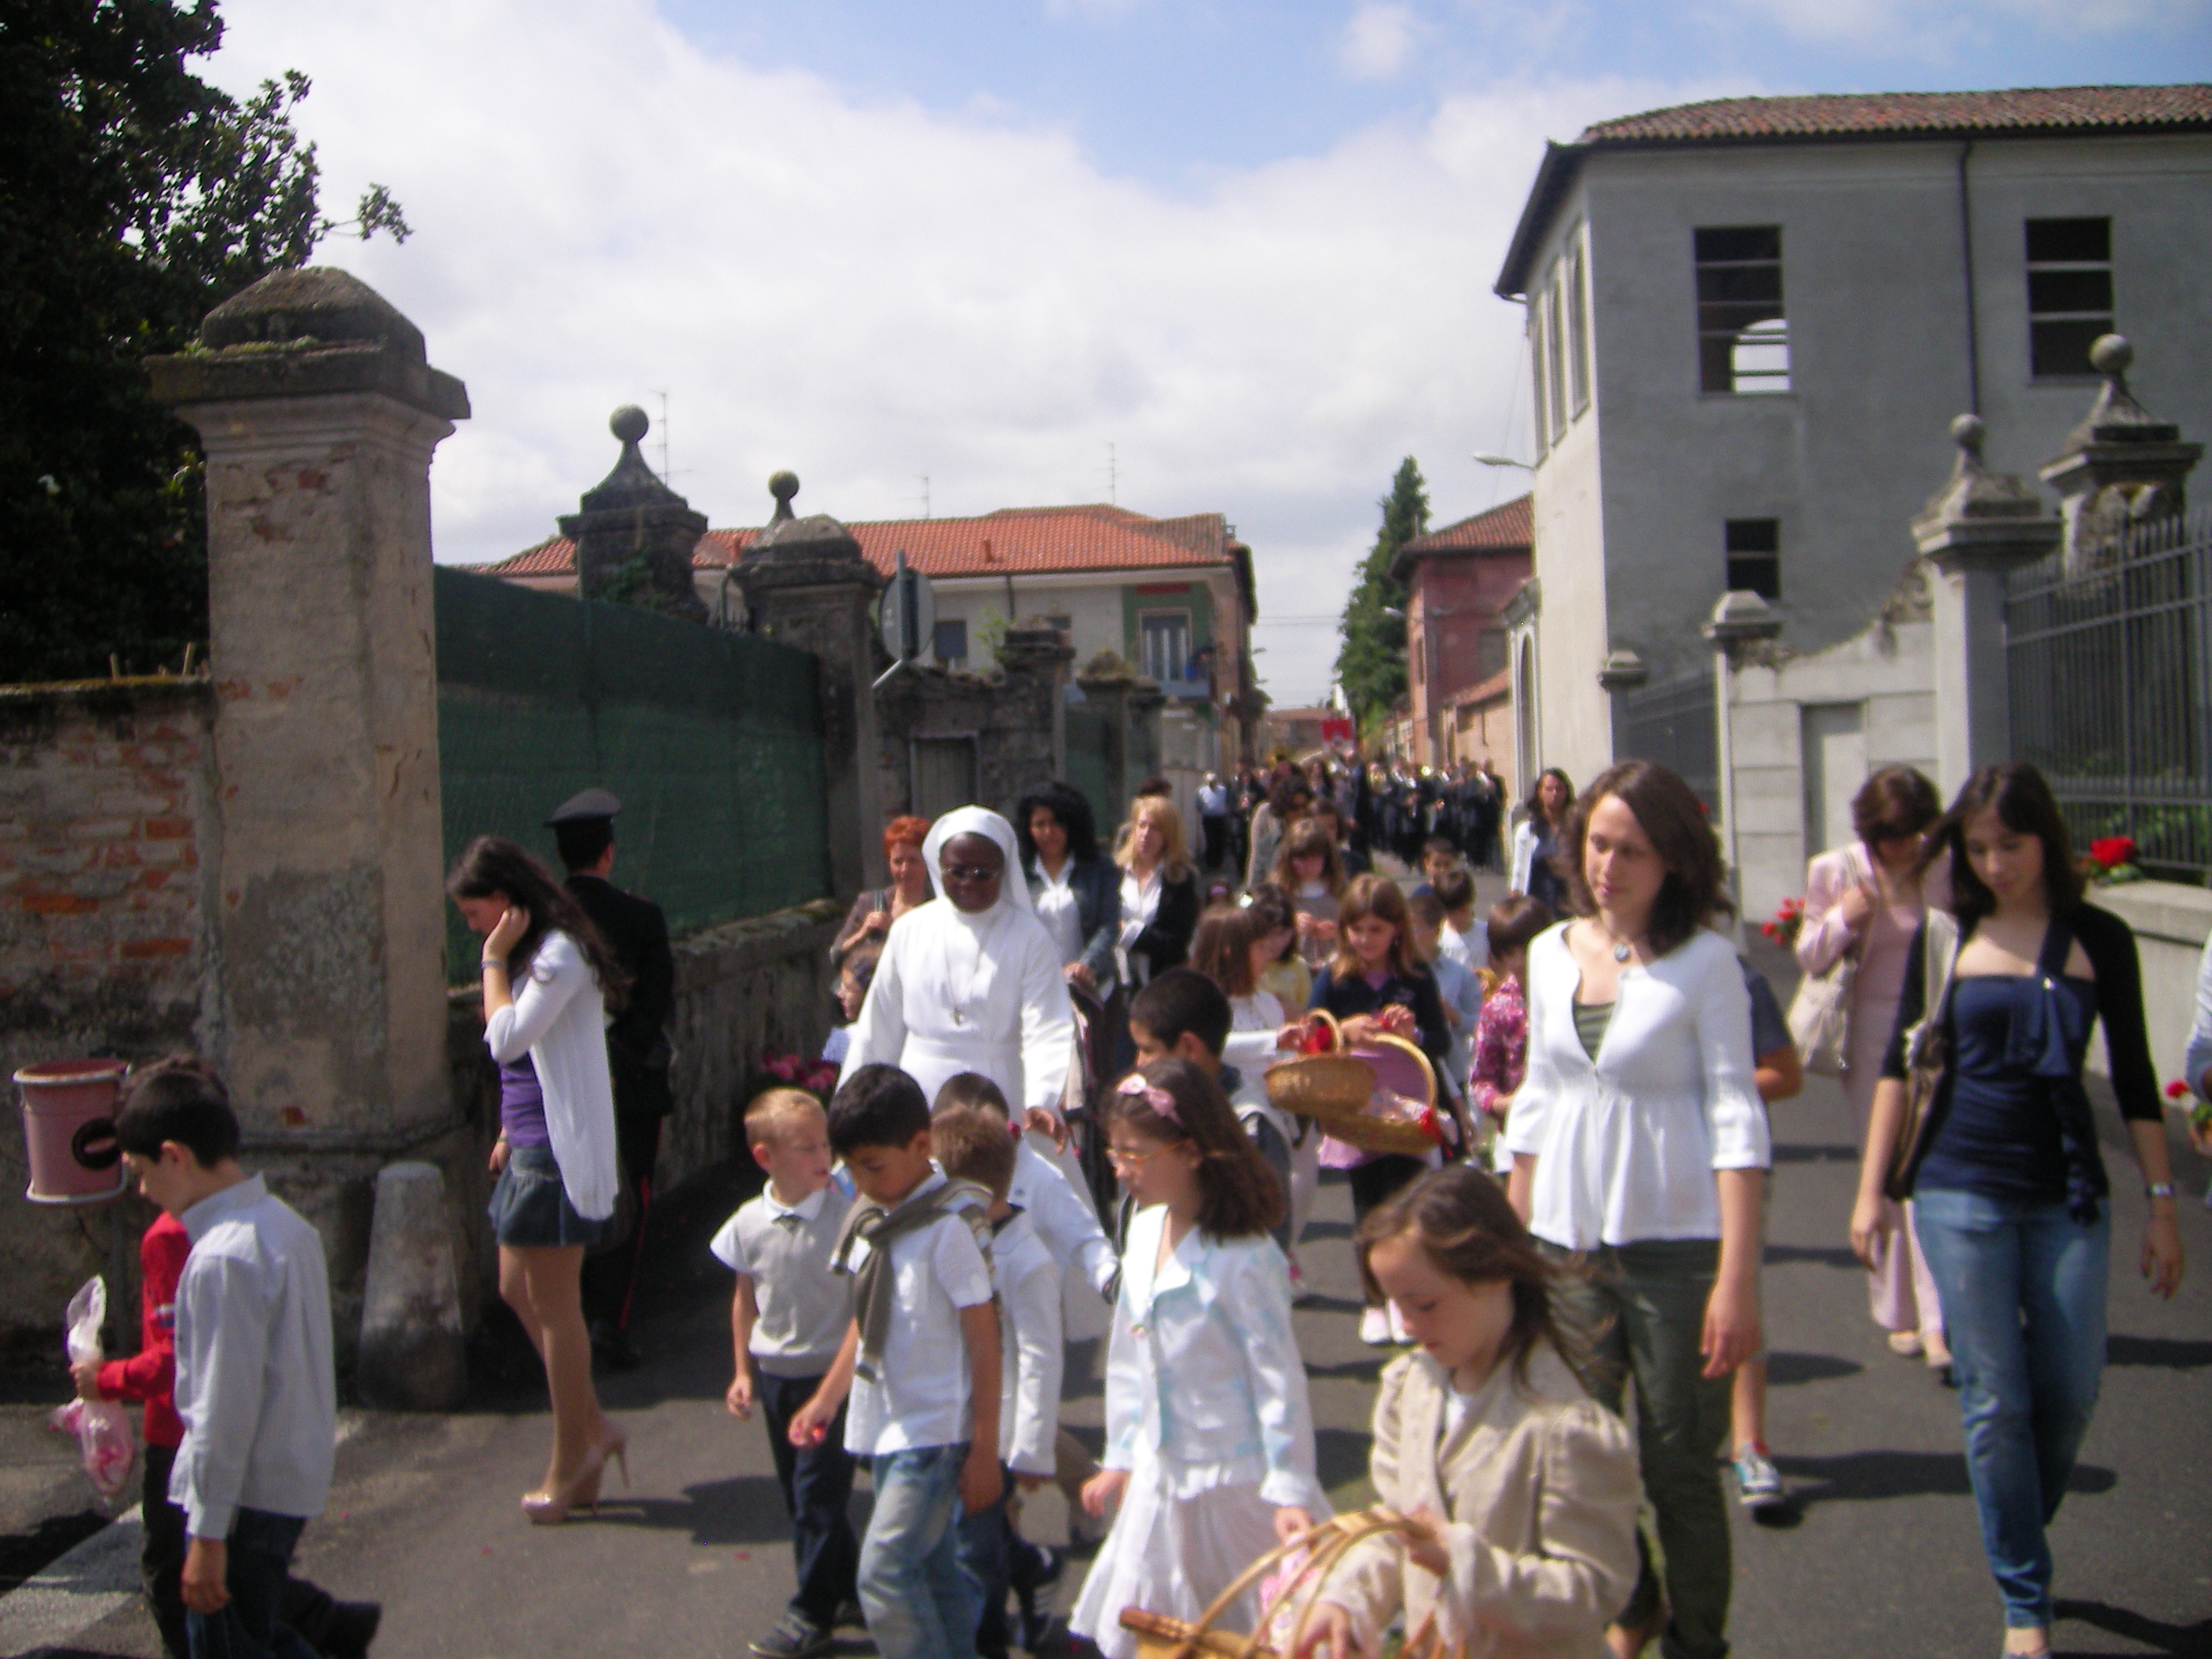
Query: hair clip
pixel 1159 1100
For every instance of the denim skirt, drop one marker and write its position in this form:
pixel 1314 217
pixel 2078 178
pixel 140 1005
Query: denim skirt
pixel 530 1207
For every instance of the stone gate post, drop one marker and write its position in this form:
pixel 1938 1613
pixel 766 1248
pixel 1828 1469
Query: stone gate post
pixel 318 412
pixel 805 583
pixel 1981 525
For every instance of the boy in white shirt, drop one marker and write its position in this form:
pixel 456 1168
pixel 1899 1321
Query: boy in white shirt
pixel 925 1414
pixel 787 1320
pixel 1465 937
pixel 973 1143
pixel 1457 987
pixel 255 1385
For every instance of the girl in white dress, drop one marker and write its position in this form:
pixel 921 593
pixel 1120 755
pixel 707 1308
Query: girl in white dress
pixel 1209 1438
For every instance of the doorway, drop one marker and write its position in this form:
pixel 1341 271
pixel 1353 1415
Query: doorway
pixel 1835 765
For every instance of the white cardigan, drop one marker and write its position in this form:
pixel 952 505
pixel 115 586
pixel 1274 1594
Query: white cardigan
pixel 559 1019
pixel 1625 1146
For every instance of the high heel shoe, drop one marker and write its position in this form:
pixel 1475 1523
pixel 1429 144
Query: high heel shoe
pixel 615 1444
pixel 550 1509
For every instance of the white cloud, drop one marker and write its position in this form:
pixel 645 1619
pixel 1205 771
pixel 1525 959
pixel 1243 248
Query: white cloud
pixel 1377 42
pixel 868 291
pixel 1907 28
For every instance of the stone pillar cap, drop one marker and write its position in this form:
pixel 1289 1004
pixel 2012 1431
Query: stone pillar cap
pixel 307 333
pixel 2119 442
pixel 1980 517
pixel 1740 619
pixel 633 483
pixel 1623 671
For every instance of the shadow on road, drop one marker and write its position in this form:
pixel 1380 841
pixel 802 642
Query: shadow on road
pixel 1839 1256
pixel 1784 1368
pixel 744 1510
pixel 1860 1476
pixel 2160 1637
pixel 1785 1153
pixel 2171 1353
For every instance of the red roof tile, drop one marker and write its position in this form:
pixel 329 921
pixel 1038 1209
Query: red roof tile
pixel 1826 115
pixel 1011 541
pixel 1510 526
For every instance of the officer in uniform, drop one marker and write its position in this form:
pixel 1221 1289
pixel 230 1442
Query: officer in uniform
pixel 638 1051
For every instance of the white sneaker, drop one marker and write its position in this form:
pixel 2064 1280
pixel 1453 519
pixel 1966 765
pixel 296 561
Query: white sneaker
pixel 1397 1325
pixel 1374 1327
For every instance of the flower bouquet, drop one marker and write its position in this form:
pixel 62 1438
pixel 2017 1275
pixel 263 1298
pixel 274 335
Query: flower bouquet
pixel 818 1078
pixel 2199 1111
pixel 1789 922
pixel 2111 861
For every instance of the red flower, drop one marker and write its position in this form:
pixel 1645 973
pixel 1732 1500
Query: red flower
pixel 2177 1090
pixel 2112 851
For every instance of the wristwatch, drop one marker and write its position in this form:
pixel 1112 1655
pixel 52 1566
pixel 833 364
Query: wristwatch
pixel 2158 1189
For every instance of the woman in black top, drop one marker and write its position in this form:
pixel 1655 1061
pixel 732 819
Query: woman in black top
pixel 2011 1198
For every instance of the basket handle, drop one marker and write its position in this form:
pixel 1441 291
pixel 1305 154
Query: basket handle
pixel 1385 1040
pixel 1334 1538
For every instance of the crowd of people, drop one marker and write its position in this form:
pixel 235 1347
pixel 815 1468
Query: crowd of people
pixel 1051 1123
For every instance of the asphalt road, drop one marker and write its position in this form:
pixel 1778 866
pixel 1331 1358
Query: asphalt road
pixel 1880 1554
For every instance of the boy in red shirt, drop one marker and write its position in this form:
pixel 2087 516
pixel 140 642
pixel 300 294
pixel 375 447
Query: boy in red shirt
pixel 339 1630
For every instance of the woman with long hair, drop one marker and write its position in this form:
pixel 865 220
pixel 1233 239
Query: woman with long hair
pixel 1075 888
pixel 1867 899
pixel 1159 892
pixel 1308 868
pixel 1536 840
pixel 2011 1200
pixel 1639 1149
pixel 876 909
pixel 1288 799
pixel 548 978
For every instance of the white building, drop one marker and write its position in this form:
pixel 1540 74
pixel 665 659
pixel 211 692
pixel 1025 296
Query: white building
pixel 1750 322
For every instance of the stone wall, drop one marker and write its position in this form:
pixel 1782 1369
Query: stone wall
pixel 107 845
pixel 2171 924
pixel 1012 715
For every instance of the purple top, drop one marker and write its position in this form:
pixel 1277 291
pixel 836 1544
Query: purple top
pixel 522 1104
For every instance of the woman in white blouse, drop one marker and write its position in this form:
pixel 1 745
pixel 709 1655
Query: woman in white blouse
pixel 547 978
pixel 974 984
pixel 1638 1144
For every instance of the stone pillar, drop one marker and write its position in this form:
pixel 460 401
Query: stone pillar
pixel 318 412
pixel 1034 650
pixel 633 534
pixel 1743 625
pixel 2122 466
pixel 807 584
pixel 1981 525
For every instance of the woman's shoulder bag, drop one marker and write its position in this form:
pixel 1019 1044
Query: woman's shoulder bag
pixel 1821 1012
pixel 1926 1055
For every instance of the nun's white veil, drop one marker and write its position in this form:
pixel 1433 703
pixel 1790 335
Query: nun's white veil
pixel 1014 889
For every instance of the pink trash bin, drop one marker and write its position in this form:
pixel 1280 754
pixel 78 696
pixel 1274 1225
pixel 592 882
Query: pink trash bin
pixel 68 1122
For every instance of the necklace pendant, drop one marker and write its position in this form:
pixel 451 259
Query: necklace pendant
pixel 1621 952
pixel 959 1019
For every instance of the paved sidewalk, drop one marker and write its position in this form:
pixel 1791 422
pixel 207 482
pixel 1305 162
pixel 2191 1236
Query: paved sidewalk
pixel 1883 1556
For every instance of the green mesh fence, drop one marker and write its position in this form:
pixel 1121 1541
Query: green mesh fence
pixel 712 741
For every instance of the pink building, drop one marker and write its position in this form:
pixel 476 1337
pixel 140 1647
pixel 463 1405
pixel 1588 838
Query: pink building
pixel 1458 581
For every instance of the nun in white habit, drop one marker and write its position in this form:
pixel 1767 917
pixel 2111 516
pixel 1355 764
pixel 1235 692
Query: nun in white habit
pixel 974 984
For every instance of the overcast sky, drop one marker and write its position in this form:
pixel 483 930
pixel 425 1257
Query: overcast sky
pixel 1249 246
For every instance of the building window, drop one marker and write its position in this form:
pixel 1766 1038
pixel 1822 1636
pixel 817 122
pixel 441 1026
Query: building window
pixel 1541 422
pixel 1489 647
pixel 1744 340
pixel 1755 556
pixel 1164 642
pixel 1555 353
pixel 949 643
pixel 1578 345
pixel 1063 626
pixel 2070 294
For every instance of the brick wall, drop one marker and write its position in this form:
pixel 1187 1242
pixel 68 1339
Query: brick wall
pixel 106 842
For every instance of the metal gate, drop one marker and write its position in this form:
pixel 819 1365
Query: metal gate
pixel 1090 766
pixel 1676 724
pixel 2111 689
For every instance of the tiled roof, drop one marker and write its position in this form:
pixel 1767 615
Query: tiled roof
pixel 1836 115
pixel 1013 541
pixel 1511 526
pixel 1846 117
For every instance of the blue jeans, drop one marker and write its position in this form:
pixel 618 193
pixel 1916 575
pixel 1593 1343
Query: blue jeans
pixel 985 1548
pixel 2023 1289
pixel 258 1564
pixel 919 1604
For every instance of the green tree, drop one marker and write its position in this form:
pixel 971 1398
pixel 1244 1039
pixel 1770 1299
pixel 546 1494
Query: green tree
pixel 1371 658
pixel 134 198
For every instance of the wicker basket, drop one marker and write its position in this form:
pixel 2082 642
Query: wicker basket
pixel 1335 1091
pixel 1160 1637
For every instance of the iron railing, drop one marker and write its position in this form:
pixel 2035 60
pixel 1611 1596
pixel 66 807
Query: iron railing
pixel 2109 658
pixel 1677 724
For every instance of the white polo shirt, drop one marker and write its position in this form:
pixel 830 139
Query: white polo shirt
pixel 920 1398
pixel 804 1305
